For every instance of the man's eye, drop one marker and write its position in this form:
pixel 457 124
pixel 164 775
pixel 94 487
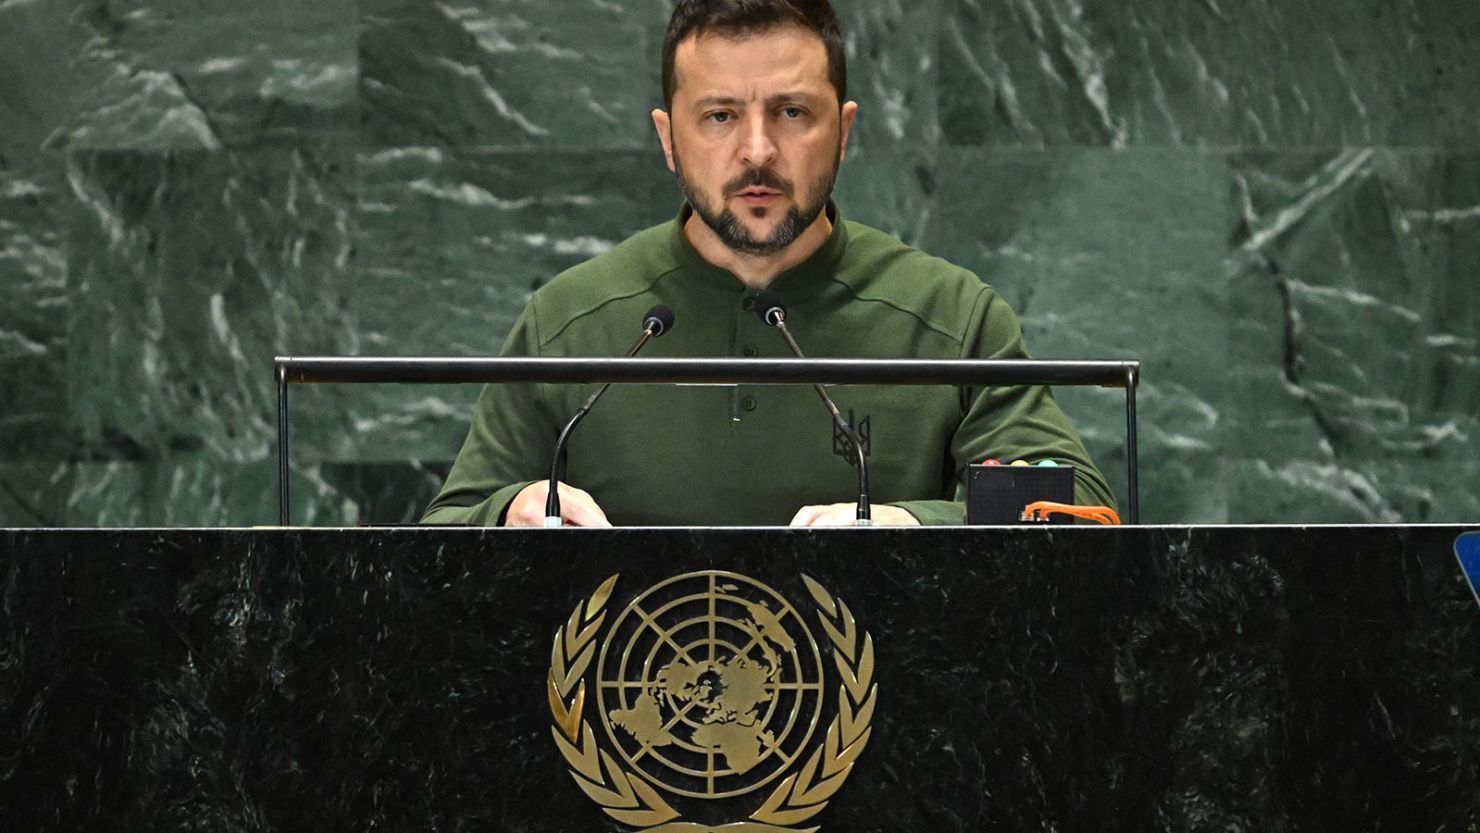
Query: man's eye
pixel 719 117
pixel 793 112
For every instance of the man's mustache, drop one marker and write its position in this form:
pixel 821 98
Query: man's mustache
pixel 757 178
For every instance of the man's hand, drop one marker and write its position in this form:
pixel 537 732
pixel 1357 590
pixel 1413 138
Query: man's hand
pixel 577 508
pixel 846 514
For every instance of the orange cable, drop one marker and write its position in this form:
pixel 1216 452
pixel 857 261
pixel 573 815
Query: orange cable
pixel 1040 510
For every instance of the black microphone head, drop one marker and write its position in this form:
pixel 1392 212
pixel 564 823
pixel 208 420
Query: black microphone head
pixel 658 320
pixel 769 308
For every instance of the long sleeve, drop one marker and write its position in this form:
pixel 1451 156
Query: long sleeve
pixel 508 446
pixel 1010 423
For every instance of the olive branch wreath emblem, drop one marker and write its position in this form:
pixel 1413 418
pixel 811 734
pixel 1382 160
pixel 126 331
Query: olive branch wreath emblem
pixel 630 800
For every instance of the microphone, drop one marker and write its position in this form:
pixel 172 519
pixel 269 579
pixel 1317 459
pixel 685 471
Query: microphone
pixel 656 322
pixel 770 310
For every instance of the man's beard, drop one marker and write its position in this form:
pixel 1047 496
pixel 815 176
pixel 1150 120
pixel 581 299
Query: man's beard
pixel 727 226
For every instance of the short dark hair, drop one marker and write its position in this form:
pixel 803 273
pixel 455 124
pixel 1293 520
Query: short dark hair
pixel 748 17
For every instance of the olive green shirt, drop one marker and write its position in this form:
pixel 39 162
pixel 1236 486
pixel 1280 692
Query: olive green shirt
pixel 755 454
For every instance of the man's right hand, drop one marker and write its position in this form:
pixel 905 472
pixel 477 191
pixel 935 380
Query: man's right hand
pixel 577 508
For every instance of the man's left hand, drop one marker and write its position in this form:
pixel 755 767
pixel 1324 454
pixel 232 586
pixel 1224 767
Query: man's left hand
pixel 846 514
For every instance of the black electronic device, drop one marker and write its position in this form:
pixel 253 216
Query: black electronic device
pixel 997 494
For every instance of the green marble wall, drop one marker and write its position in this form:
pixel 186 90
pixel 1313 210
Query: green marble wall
pixel 1275 206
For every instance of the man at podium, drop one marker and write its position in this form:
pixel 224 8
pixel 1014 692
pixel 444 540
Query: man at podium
pixel 755 128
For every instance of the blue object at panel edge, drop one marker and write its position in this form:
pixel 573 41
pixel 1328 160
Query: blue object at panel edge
pixel 1467 548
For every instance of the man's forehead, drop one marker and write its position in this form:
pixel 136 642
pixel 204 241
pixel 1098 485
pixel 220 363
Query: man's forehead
pixel 720 61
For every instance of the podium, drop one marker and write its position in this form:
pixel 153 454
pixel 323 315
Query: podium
pixel 1138 678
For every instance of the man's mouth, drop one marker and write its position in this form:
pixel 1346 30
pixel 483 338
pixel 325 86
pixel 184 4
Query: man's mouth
pixel 759 195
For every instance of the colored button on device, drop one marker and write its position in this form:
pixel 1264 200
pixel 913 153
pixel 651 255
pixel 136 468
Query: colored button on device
pixel 1053 464
pixel 991 461
pixel 1021 463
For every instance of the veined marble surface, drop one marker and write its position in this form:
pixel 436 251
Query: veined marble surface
pixel 1275 207
pixel 1156 679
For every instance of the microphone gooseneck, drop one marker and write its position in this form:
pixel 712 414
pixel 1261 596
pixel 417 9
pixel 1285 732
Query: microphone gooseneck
pixel 770 310
pixel 656 322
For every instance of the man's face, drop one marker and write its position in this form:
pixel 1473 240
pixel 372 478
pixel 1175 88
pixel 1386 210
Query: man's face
pixel 755 135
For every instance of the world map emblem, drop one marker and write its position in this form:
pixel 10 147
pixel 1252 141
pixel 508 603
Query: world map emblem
pixel 712 697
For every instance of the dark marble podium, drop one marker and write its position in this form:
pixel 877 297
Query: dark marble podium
pixel 1231 678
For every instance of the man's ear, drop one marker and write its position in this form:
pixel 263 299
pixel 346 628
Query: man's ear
pixel 664 125
pixel 850 111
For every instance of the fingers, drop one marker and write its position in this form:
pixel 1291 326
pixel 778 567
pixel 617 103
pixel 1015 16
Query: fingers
pixel 846 514
pixel 886 515
pixel 577 507
pixel 833 514
pixel 806 515
pixel 528 507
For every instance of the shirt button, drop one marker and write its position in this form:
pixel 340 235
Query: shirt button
pixel 749 303
pixel 751 352
pixel 748 403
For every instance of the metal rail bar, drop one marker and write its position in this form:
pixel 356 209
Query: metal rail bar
pixel 319 370
pixel 1132 465
pixel 342 370
pixel 283 473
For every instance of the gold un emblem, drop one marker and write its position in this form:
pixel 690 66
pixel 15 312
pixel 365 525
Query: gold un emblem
pixel 710 687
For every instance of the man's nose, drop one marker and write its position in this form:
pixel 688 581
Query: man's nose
pixel 757 148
